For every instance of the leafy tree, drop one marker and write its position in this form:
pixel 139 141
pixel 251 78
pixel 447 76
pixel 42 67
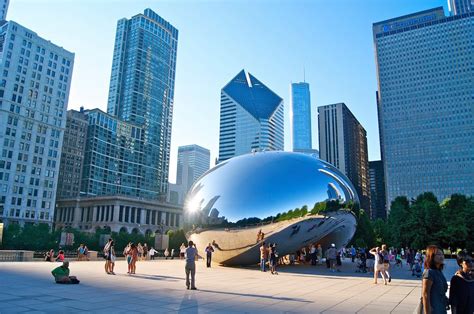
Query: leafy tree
pixel 380 231
pixel 396 224
pixel 176 238
pixel 364 232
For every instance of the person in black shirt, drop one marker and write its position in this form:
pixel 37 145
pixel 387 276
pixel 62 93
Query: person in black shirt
pixel 461 294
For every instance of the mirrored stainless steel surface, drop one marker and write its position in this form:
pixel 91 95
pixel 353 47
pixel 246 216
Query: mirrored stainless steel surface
pixel 295 198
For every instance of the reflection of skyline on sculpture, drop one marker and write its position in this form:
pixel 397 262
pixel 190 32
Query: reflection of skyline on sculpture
pixel 292 198
pixel 278 168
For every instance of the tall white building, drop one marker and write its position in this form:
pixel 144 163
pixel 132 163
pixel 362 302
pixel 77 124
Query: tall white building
pixel 251 117
pixel 34 91
pixel 193 162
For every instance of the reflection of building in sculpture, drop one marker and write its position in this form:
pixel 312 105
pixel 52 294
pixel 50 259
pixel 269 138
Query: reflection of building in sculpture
pixel 273 188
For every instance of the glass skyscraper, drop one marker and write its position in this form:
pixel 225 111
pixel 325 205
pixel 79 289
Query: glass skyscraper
pixel 193 162
pixel 425 71
pixel 300 117
pixel 343 143
pixel 251 117
pixel 142 90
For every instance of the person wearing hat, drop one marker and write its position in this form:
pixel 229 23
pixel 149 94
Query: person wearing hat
pixel 61 274
pixel 331 254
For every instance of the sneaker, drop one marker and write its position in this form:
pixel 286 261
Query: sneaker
pixel 193 288
pixel 187 287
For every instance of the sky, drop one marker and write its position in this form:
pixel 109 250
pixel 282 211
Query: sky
pixel 327 43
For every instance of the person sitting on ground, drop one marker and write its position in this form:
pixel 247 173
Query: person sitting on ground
pixel 60 257
pixel 49 257
pixel 61 275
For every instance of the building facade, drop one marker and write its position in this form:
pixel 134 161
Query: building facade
pixel 425 78
pixel 251 117
pixel 458 7
pixel 300 117
pixel 34 91
pixel 343 143
pixel 142 91
pixel 114 158
pixel 4 9
pixel 378 204
pixel 72 154
pixel 118 214
pixel 193 162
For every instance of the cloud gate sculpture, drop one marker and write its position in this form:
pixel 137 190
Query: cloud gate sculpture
pixel 291 199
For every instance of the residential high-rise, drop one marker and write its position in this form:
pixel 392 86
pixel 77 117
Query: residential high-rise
pixel 34 91
pixel 458 7
pixel 4 9
pixel 72 154
pixel 425 78
pixel 377 190
pixel 343 143
pixel 114 156
pixel 193 162
pixel 251 117
pixel 142 91
pixel 300 117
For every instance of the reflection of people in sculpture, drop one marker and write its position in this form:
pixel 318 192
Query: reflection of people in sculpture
pixel 214 244
pixel 260 236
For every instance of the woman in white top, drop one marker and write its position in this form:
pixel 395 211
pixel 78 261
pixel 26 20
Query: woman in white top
pixel 378 266
pixel 182 250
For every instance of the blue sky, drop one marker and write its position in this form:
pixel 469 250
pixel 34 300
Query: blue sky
pixel 273 40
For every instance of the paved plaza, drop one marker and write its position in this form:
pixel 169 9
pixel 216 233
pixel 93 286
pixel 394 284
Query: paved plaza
pixel 159 287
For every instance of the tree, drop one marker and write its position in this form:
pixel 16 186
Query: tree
pixel 396 223
pixel 454 211
pixel 364 232
pixel 380 231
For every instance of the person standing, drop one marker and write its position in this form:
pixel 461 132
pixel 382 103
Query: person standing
pixel 80 252
pixel 331 255
pixel 133 252
pixel 461 293
pixel 312 253
pixel 320 254
pixel 353 253
pixel 434 285
pixel 386 262
pixel 209 251
pixel 112 258
pixel 378 265
pixel 273 259
pixel 145 252
pixel 152 253
pixel 182 251
pixel 167 253
pixel 190 268
pixel 106 252
pixel 263 256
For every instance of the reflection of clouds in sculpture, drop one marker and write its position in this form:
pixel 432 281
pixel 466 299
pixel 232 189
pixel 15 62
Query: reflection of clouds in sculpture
pixel 271 191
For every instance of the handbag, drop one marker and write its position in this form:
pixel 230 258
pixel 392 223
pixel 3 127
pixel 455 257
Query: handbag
pixel 419 309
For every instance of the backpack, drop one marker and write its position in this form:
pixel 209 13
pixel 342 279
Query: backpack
pixel 381 259
pixel 385 258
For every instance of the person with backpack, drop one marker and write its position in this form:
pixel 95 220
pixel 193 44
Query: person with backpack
pixel 378 265
pixel 386 262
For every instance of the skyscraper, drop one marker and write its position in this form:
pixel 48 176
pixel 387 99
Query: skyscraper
pixel 458 7
pixel 4 9
pixel 300 117
pixel 142 90
pixel 343 143
pixel 377 190
pixel 72 154
pixel 251 117
pixel 193 161
pixel 34 91
pixel 425 76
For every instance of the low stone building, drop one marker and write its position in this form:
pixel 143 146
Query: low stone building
pixel 119 214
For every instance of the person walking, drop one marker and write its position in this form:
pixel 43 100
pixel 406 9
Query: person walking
pixel 209 251
pixel 434 285
pixel 263 256
pixel 133 253
pixel 386 262
pixel 152 253
pixel 190 267
pixel 378 265
pixel 461 293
